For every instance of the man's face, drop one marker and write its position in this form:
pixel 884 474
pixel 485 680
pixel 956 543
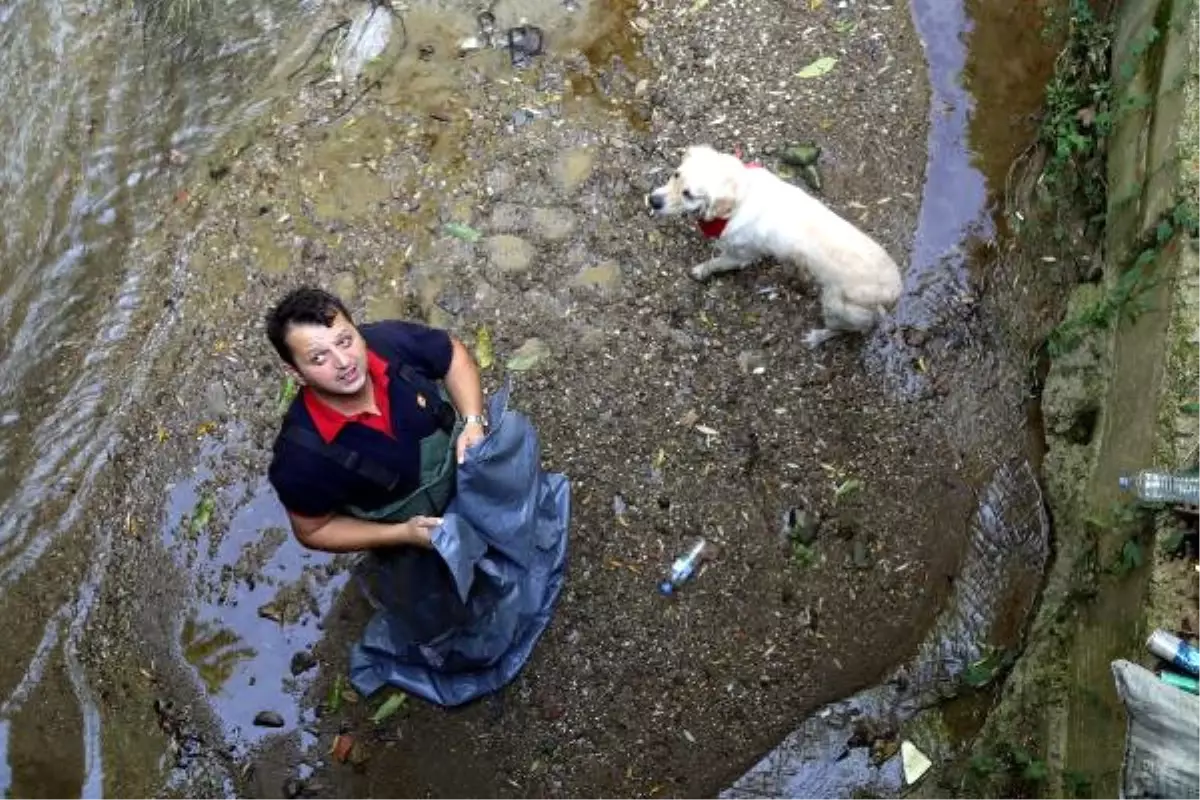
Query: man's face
pixel 329 359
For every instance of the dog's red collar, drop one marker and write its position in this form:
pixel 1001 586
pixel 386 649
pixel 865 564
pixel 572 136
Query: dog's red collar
pixel 713 228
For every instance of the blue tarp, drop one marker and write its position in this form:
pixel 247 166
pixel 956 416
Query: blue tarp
pixel 459 621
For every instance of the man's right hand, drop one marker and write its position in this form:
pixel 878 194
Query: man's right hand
pixel 420 530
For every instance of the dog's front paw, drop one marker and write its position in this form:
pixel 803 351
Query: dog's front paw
pixel 700 272
pixel 817 337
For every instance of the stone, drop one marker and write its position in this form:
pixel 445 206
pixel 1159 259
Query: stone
pixel 302 661
pixel 553 224
pixel 216 402
pixel 268 719
pixel 500 182
pixel 533 352
pixel 509 255
pixel 604 277
pixel 508 218
pixel 573 168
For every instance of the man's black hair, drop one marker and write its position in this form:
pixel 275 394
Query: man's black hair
pixel 306 305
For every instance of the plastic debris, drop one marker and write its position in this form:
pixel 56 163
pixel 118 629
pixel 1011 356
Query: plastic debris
pixel 683 568
pixel 1172 649
pixel 915 762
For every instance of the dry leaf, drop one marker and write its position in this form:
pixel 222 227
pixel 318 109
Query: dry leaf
pixel 817 68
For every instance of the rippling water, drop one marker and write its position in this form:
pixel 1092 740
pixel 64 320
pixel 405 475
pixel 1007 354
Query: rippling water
pixel 96 120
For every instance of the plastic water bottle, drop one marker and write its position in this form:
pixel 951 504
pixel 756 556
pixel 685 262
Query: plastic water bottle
pixel 683 568
pixel 1163 487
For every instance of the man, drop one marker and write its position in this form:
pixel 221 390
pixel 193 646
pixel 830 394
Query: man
pixel 467 535
pixel 367 452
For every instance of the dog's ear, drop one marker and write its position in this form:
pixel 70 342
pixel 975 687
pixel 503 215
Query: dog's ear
pixel 722 201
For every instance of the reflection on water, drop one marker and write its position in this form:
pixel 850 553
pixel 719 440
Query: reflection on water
pixel 258 596
pixel 95 126
pixel 214 651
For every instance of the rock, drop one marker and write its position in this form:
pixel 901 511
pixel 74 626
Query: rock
pixel 268 719
pixel 500 182
pixel 509 255
pixel 528 355
pixel 553 224
pixel 302 661
pixel 605 277
pixel 369 34
pixel 216 403
pixel 573 168
pixel 508 218
pixel 345 286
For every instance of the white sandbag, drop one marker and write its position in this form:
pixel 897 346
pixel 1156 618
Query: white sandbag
pixel 1162 740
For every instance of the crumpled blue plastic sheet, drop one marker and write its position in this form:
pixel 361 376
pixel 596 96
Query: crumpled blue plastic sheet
pixel 460 621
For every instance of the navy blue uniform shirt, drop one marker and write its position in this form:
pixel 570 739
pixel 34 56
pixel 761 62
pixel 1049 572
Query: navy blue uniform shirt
pixel 312 485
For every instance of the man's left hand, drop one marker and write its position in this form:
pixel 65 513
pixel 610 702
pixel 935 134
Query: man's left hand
pixel 472 434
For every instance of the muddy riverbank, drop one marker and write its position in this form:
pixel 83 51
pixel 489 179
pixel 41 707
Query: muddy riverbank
pixel 204 604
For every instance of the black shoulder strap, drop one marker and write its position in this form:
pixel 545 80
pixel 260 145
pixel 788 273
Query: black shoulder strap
pixel 343 456
pixel 443 411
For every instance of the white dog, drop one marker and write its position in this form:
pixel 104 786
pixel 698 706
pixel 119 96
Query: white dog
pixel 753 214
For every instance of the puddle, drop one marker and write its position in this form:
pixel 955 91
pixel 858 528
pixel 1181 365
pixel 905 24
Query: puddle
pixel 259 598
pixel 988 63
pixel 982 109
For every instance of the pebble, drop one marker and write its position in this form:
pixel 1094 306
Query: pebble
pixel 573 168
pixel 508 218
pixel 302 661
pixel 268 719
pixel 509 255
pixel 605 277
pixel 553 224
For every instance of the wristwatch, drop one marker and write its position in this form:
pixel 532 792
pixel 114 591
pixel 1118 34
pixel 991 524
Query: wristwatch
pixel 478 419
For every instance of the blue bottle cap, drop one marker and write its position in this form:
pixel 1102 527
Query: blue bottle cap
pixel 1125 481
pixel 666 587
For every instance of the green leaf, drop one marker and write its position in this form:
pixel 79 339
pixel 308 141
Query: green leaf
pixel 1190 408
pixel 847 488
pixel 335 695
pixel 1131 555
pixel 1171 542
pixel 484 356
pixel 287 393
pixel 202 513
pixel 817 68
pixel 389 707
pixel 464 232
